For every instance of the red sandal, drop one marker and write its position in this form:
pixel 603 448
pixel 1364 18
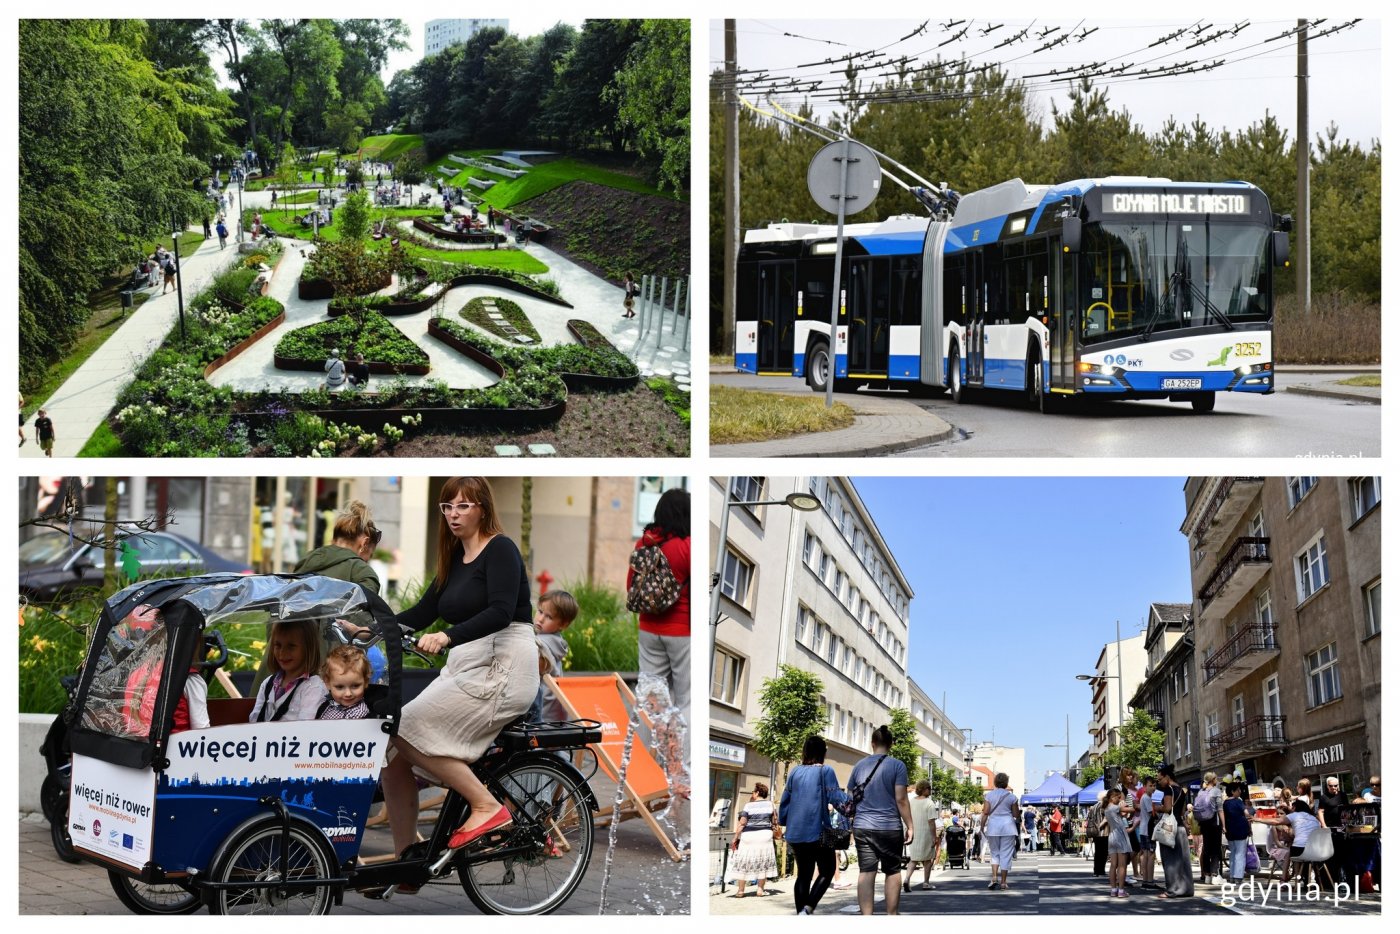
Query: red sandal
pixel 462 837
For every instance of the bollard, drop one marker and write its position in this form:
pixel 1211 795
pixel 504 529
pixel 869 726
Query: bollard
pixel 661 312
pixel 685 341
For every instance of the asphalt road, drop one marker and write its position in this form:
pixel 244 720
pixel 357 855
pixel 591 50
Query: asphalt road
pixel 1280 425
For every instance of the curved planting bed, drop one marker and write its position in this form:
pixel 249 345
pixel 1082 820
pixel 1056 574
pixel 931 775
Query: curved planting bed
pixel 412 298
pixel 455 236
pixel 387 350
pixel 581 368
pixel 313 289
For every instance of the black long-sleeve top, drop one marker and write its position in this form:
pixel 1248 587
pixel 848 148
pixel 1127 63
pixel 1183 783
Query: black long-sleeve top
pixel 481 597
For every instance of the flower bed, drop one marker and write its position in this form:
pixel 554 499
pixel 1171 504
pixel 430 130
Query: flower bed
pixel 313 288
pixel 455 236
pixel 579 367
pixel 387 350
pixel 479 314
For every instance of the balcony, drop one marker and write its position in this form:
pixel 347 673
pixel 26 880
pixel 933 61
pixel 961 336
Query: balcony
pixel 1250 648
pixel 1229 498
pixel 1243 566
pixel 1253 737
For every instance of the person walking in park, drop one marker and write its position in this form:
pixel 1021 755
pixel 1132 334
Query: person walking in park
pixel 629 295
pixel 883 824
pixel 171 273
pixel 335 371
pixel 222 232
pixel 43 432
pixel 21 419
pixel 207 231
pixel 1001 816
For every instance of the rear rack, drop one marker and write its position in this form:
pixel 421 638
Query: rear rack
pixel 550 734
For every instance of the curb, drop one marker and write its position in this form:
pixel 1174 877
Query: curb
pixel 774 447
pixel 1342 394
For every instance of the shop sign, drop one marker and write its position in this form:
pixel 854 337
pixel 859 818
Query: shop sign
pixel 724 752
pixel 1313 758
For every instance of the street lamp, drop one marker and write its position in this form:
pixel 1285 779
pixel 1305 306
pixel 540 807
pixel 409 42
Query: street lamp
pixel 804 502
pixel 1065 744
pixel 177 227
pixel 1118 653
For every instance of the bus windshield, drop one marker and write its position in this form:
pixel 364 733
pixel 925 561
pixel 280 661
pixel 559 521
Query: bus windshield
pixel 1152 276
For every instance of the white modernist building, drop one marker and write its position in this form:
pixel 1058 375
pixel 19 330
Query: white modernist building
pixel 438 34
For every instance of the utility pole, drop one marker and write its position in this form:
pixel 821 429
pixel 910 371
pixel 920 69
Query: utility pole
pixel 1304 147
pixel 731 187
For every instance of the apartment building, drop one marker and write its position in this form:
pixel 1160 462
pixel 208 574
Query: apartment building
pixel 1127 657
pixel 817 590
pixel 1287 610
pixel 940 741
pixel 1168 687
pixel 438 34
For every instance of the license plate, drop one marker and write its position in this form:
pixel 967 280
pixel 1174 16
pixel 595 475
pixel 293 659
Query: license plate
pixel 1181 384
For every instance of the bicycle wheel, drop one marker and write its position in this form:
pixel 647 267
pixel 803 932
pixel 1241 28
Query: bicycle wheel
pixel 145 899
pixel 255 856
pixel 553 819
pixel 53 800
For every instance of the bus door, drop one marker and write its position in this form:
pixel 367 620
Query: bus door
pixel 1064 320
pixel 777 314
pixel 868 300
pixel 974 277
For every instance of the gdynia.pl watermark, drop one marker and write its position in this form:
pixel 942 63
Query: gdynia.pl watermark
pixel 1262 893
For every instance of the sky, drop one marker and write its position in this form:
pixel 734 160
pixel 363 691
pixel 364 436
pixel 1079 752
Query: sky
pixel 1023 594
pixel 1345 68
pixel 522 26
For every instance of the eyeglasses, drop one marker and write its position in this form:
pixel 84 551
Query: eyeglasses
pixel 456 509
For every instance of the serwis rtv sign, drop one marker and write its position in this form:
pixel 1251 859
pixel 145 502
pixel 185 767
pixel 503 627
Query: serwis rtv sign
pixel 1168 203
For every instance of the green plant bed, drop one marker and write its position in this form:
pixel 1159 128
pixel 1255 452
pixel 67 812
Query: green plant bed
pixel 588 335
pixel 679 402
pixel 479 314
pixel 386 348
pixel 300 197
pixel 591 368
pixel 103 443
pixel 510 260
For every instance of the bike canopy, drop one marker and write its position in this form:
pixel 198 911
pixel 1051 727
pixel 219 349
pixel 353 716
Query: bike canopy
pixel 148 634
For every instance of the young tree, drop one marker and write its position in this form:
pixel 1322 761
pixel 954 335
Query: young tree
pixel 792 711
pixel 904 734
pixel 1142 743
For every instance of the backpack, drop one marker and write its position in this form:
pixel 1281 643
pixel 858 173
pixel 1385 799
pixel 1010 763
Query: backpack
pixel 654 587
pixel 1204 805
pixel 170 267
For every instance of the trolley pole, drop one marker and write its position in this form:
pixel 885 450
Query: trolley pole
pixel 1304 181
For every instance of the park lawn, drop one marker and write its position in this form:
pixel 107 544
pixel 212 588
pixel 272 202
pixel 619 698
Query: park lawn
pixel 1365 379
pixel 390 147
pixel 104 443
pixel 743 415
pixel 106 317
pixel 513 260
pixel 550 175
pixel 190 241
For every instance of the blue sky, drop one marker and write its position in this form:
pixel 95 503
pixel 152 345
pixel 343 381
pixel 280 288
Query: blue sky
pixel 1017 582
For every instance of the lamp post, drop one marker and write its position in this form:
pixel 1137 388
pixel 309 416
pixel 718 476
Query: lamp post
pixel 1118 652
pixel 804 502
pixel 179 277
pixel 1065 744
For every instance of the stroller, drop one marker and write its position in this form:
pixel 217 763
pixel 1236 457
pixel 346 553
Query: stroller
pixel 955 848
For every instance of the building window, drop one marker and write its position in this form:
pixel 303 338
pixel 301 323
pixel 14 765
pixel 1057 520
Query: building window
pixel 745 489
pixel 842 588
pixel 1264 613
pixel 1311 563
pixel 1372 596
pixel 1237 710
pixel 824 567
pixel 811 551
pixel 833 645
pixel 1298 487
pixel 822 634
pixel 1212 725
pixel 736 577
pixel 1178 742
pixel 1365 495
pixel 1324 675
pixel 1185 678
pixel 1188 737
pixel 726 676
pixel 804 615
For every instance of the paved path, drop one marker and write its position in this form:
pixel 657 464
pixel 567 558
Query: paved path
pixel 83 402
pixel 1040 884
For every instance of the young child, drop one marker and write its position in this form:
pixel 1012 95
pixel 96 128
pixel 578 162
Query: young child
pixel 144 626
pixel 345 674
pixel 1119 846
pixel 293 692
pixel 43 431
pixel 557 610
pixel 192 712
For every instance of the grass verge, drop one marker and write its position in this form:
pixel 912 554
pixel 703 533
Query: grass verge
pixel 741 415
pixel 478 314
pixel 678 401
pixel 1365 379
pixel 106 318
pixel 104 443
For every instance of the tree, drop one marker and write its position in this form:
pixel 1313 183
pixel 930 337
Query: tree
pixel 653 99
pixel 409 169
pixel 904 745
pixel 792 711
pixel 943 784
pixel 1142 743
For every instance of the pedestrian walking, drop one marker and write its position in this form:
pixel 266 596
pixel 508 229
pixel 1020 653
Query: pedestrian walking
pixel 1144 823
pixel 1176 847
pixel 663 631
pixel 1057 833
pixel 811 790
pixel 923 846
pixel 222 232
pixel 171 273
pixel 629 292
pixel 21 419
pixel 1028 822
pixel 207 231
pixel 882 826
pixel 43 432
pixel 335 371
pixel 1236 813
pixel 753 844
pixel 1001 816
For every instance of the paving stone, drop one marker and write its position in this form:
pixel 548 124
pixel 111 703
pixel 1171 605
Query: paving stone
pixel 542 450
pixel 507 450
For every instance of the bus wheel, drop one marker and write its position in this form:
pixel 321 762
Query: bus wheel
pixel 818 367
pixel 1205 402
pixel 955 380
pixel 1043 400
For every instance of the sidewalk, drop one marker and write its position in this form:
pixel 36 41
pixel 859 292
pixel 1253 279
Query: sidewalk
pixel 83 401
pixel 884 424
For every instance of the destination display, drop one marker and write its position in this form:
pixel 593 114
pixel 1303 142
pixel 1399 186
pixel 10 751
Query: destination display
pixel 1166 202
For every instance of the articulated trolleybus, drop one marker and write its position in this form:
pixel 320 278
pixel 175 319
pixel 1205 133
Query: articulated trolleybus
pixel 1115 288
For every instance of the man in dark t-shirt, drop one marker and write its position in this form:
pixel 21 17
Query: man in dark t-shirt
pixel 43 430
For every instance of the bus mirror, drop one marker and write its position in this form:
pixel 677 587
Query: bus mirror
pixel 1280 247
pixel 1070 233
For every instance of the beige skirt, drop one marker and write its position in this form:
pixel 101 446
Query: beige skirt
pixel 484 686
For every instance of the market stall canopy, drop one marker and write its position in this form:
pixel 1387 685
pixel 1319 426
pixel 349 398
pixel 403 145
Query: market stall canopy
pixel 1090 795
pixel 1054 790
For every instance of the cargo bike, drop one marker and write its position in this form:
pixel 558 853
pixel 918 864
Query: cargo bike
pixel 269 818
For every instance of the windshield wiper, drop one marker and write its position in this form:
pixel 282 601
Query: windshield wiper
pixel 1216 313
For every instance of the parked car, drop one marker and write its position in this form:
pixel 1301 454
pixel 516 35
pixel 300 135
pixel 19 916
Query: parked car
pixel 50 566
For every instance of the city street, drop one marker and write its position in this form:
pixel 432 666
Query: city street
pixel 1286 424
pixel 1040 884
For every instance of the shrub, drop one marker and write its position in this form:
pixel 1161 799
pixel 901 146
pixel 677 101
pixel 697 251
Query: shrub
pixel 604 635
pixel 52 642
pixel 366 332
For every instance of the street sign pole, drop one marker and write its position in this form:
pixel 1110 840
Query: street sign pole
pixel 837 297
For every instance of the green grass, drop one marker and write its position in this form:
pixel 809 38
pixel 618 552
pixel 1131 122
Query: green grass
pixel 106 318
pixel 551 175
pixel 104 443
pixel 390 147
pixel 741 415
pixel 678 401
pixel 514 260
pixel 190 241
pixel 299 197
pixel 722 359
pixel 1366 379
pixel 477 313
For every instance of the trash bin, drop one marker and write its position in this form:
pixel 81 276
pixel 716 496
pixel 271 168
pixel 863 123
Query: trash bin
pixel 127 300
